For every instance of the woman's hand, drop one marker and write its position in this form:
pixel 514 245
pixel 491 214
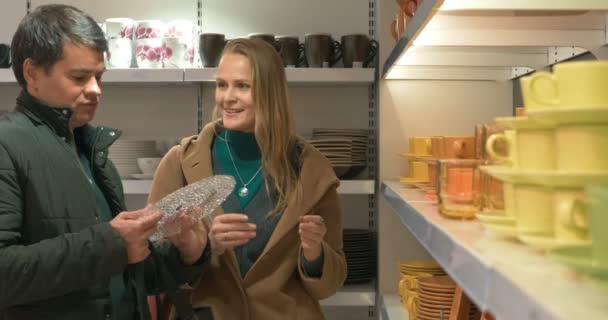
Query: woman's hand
pixel 191 237
pixel 312 231
pixel 230 230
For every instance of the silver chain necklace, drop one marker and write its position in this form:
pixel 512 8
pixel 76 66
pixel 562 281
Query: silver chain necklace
pixel 244 191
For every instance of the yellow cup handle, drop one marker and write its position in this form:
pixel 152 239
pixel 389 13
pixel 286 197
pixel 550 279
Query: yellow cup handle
pixel 411 303
pixel 578 218
pixel 538 97
pixel 490 146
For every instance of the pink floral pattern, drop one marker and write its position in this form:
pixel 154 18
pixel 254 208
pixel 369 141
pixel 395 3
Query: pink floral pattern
pixel 189 57
pixel 174 32
pixel 146 52
pixel 167 52
pixel 147 33
pixel 127 32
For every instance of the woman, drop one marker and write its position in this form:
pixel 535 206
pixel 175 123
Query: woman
pixel 277 241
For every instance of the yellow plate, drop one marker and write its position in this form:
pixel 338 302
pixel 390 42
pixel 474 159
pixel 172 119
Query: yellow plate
pixel 495 217
pixel 504 230
pixel 421 264
pixel 545 178
pixel 524 123
pixel 570 115
pixel 580 259
pixel 547 243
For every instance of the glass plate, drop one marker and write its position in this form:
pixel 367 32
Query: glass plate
pixel 200 199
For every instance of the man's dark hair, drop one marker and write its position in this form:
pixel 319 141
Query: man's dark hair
pixel 42 34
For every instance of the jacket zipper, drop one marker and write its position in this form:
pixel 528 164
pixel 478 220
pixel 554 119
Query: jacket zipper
pixel 76 157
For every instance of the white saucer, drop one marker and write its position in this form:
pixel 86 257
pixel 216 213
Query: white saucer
pixel 142 176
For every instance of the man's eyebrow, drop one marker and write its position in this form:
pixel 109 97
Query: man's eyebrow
pixel 86 70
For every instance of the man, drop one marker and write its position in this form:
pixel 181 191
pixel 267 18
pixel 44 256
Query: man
pixel 67 248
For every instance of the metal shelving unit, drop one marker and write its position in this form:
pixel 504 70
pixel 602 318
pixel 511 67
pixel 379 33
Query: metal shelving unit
pixel 392 309
pixel 301 76
pixel 353 296
pixel 7 76
pixel 523 284
pixel 142 187
pixel 495 39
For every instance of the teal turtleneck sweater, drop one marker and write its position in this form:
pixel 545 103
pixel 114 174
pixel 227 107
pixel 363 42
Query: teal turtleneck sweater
pixel 247 158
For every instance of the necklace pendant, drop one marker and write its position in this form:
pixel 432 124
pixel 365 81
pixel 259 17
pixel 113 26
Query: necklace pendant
pixel 243 192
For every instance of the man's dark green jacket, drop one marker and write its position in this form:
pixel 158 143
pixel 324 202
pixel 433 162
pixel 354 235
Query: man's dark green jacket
pixel 56 255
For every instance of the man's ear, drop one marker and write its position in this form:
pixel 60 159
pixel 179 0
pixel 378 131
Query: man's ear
pixel 31 72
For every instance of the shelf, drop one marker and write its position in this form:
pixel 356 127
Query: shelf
pixel 353 296
pixel 7 76
pixel 392 309
pixel 357 187
pixel 143 75
pixel 301 76
pixel 142 187
pixel 486 40
pixel 522 284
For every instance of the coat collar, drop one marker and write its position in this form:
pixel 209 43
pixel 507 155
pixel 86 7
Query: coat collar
pixel 58 119
pixel 315 179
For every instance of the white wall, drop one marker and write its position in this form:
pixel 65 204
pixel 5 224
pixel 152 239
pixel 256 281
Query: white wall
pixel 12 11
pixel 422 108
pixel 136 9
pixel 239 18
pixel 8 94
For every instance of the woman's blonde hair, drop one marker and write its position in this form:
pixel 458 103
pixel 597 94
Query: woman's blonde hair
pixel 274 122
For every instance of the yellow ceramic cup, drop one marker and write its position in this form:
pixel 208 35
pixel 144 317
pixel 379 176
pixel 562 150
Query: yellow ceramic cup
pixel 411 280
pixel 582 148
pixel 533 209
pixel 572 85
pixel 421 146
pixel 528 149
pixel 411 303
pixel 594 207
pixel 566 226
pixel 420 171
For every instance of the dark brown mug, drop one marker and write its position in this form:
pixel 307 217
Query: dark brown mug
pixel 321 50
pixel 290 50
pixel 211 46
pixel 263 36
pixel 5 56
pixel 358 49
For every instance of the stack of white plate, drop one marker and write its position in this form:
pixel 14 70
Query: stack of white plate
pixel 346 149
pixel 124 154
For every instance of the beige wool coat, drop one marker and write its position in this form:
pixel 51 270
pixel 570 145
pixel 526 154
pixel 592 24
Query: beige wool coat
pixel 275 287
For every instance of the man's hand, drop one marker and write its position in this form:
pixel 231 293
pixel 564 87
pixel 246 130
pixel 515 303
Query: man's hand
pixel 135 227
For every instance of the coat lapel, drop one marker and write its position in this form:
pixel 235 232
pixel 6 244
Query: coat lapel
pixel 197 165
pixel 314 183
